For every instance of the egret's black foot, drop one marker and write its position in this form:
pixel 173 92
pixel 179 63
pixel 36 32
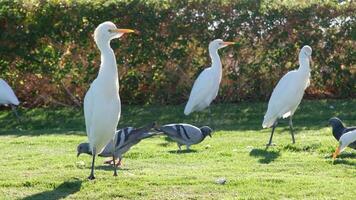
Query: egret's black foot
pixel 91 177
pixel 270 144
pixel 115 173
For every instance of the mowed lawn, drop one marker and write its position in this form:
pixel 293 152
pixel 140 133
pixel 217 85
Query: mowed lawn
pixel 38 156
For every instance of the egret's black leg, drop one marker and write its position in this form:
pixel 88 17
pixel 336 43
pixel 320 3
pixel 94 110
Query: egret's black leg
pixel 91 176
pixel 14 110
pixel 113 159
pixel 291 128
pixel 273 127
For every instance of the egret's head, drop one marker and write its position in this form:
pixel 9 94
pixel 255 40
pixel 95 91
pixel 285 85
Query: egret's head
pixel 107 31
pixel 218 44
pixel 83 148
pixel 206 130
pixel 306 51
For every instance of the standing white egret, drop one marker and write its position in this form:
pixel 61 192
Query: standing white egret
pixel 206 86
pixel 8 97
pixel 288 93
pixel 102 106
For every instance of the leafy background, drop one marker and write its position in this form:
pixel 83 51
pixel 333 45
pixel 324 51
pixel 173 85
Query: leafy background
pixel 48 55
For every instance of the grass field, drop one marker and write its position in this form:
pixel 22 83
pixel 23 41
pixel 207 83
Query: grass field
pixel 39 160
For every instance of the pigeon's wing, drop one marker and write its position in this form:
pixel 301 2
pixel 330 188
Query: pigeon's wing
pixel 7 95
pixel 169 130
pixel 192 133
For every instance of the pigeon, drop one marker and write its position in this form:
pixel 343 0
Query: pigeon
pixel 345 140
pixel 124 139
pixel 339 129
pixel 185 134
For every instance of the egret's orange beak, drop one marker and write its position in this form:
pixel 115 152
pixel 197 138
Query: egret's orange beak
pixel 123 30
pixel 229 43
pixel 336 153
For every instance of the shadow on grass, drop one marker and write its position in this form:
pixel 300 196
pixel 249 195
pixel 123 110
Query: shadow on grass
pixel 110 168
pixel 311 115
pixel 348 155
pixel 344 162
pixel 265 156
pixel 182 151
pixel 62 191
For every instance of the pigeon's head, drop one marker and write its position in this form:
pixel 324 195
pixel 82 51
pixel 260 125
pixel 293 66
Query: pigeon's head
pixel 336 122
pixel 206 130
pixel 83 148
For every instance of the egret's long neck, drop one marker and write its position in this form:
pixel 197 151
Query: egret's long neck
pixel 304 64
pixel 108 68
pixel 215 59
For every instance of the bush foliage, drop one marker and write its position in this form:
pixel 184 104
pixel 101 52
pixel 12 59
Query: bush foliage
pixel 47 52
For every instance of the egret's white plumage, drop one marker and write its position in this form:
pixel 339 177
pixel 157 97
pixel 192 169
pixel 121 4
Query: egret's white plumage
pixel 345 140
pixel 102 107
pixel 7 95
pixel 289 91
pixel 206 86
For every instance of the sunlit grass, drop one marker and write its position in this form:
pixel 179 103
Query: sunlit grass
pixel 39 159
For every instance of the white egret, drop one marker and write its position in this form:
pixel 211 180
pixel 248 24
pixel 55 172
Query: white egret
pixel 8 97
pixel 288 93
pixel 102 106
pixel 206 86
pixel 345 140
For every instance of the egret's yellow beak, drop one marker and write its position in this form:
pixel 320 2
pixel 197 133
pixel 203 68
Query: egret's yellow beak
pixel 336 153
pixel 229 43
pixel 122 30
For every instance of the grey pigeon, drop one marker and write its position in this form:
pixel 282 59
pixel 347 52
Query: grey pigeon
pixel 339 129
pixel 124 139
pixel 185 134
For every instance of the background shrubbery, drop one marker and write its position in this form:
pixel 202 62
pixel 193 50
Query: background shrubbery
pixel 48 55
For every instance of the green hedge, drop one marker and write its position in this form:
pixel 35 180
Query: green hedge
pixel 48 54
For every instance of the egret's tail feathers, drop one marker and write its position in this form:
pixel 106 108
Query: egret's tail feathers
pixel 187 109
pixel 268 122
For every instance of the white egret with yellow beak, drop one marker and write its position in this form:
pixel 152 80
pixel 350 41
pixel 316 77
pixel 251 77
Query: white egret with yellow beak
pixel 102 106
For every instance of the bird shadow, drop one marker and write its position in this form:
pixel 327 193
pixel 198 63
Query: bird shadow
pixel 61 192
pixel 110 168
pixel 265 156
pixel 183 151
pixel 348 155
pixel 344 162
pixel 167 141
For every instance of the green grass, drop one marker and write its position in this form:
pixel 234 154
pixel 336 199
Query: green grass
pixel 39 161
